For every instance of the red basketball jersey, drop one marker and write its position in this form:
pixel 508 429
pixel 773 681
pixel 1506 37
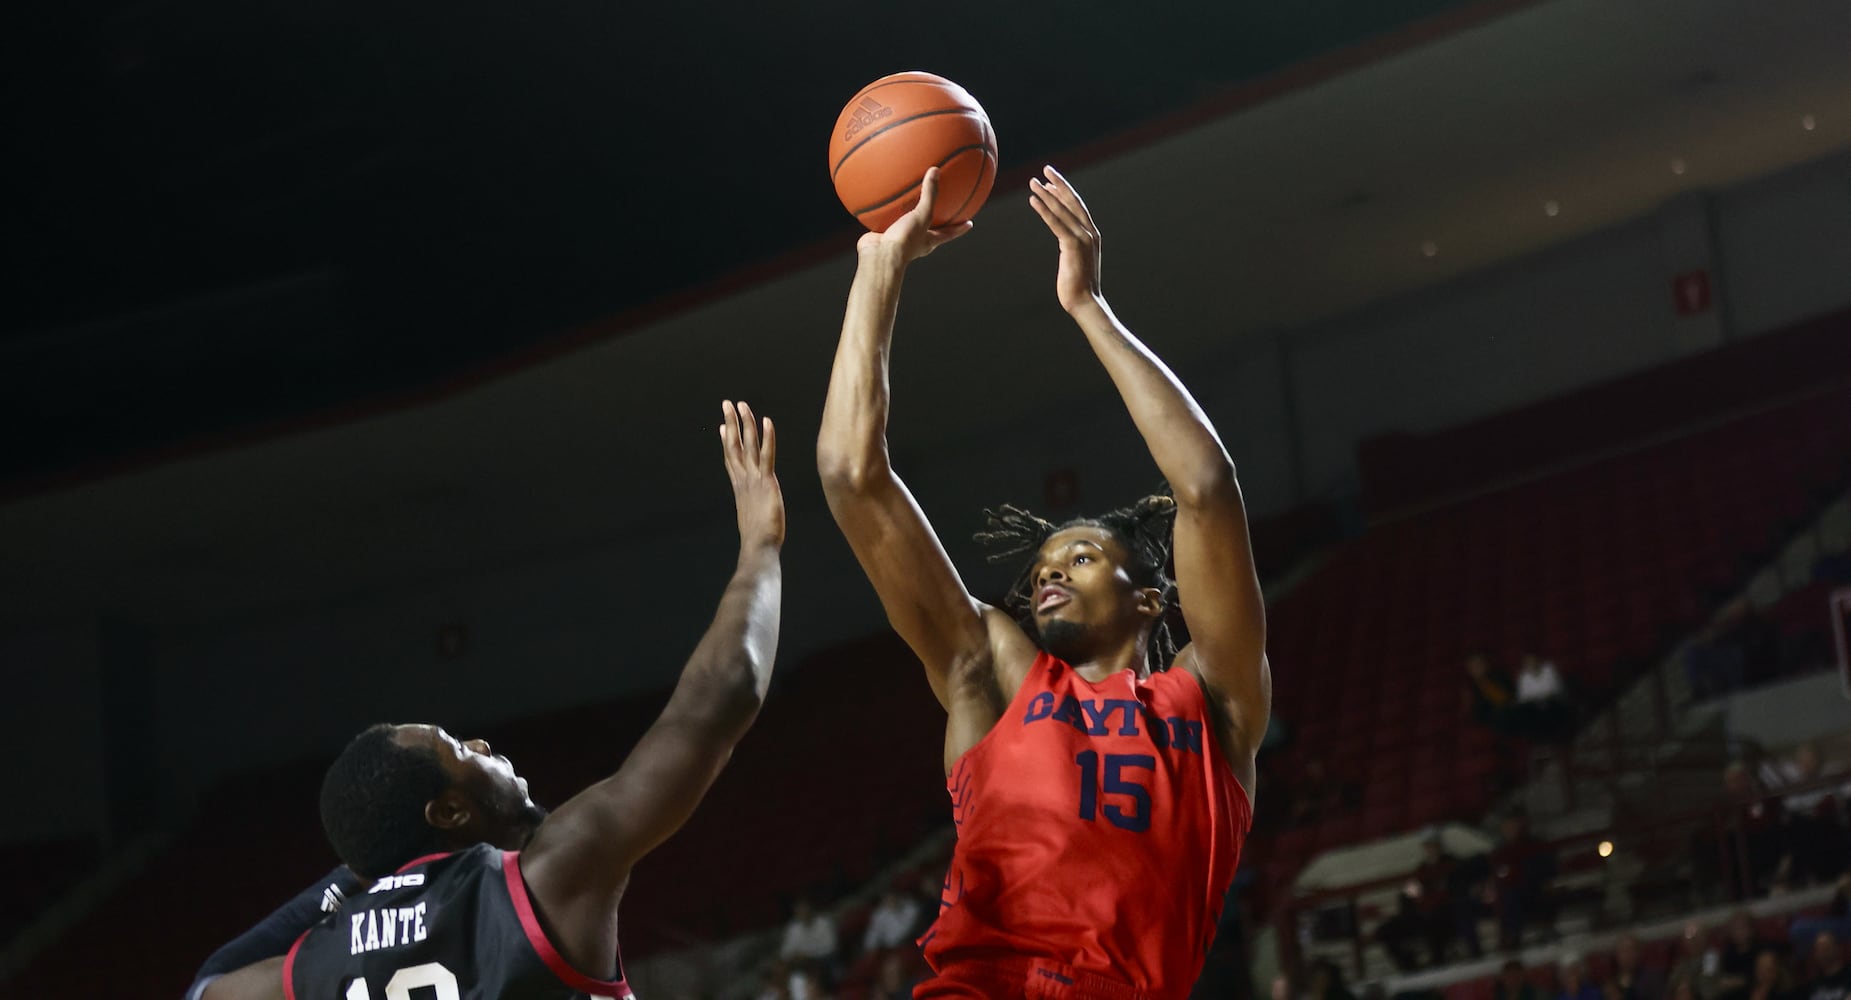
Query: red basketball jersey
pixel 1099 826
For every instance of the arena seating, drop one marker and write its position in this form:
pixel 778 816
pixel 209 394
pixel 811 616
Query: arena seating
pixel 1600 568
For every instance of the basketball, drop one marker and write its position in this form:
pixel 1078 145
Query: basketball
pixel 893 131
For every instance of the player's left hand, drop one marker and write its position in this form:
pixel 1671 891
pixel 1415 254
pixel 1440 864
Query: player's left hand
pixel 751 451
pixel 1059 205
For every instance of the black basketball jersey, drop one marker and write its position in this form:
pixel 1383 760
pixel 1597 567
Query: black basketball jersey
pixel 445 927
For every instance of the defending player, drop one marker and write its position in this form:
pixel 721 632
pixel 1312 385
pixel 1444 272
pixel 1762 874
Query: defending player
pixel 476 892
pixel 1098 777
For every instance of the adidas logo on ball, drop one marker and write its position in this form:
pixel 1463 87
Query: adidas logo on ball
pixel 867 113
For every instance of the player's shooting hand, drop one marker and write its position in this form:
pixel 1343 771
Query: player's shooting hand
pixel 912 237
pixel 750 446
pixel 1059 205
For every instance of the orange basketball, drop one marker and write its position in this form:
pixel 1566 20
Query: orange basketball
pixel 896 128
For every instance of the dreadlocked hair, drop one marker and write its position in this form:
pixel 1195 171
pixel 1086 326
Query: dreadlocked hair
pixel 1143 528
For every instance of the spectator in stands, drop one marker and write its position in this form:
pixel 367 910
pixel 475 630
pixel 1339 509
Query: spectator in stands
pixel 892 922
pixel 1771 980
pixel 1632 979
pixel 1815 829
pixel 1433 897
pixel 1327 982
pixel 1761 829
pixel 894 981
pixel 1734 964
pixel 1683 987
pixel 1521 869
pixel 1836 921
pixel 1443 901
pixel 810 936
pixel 1511 985
pixel 807 984
pixel 1396 934
pixel 1831 977
pixel 1689 967
pixel 1491 694
pixel 1435 906
pixel 776 984
pixel 1542 697
pixel 1575 982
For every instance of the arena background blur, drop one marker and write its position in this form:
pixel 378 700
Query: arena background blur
pixel 360 362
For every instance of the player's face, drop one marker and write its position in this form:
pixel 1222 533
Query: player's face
pixel 507 816
pixel 1083 596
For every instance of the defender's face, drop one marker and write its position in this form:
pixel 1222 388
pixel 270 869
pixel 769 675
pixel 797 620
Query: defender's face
pixel 487 780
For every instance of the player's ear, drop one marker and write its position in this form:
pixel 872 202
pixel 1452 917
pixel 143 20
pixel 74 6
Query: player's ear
pixel 1150 602
pixel 448 811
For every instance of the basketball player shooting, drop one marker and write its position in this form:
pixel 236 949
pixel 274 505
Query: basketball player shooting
pixel 477 893
pixel 1098 776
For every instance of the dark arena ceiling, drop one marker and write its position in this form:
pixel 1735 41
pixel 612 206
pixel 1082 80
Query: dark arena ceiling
pixel 226 214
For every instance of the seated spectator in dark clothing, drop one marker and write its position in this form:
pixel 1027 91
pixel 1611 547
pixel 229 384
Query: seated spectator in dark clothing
pixel 1683 987
pixel 1831 978
pixel 1575 982
pixel 1432 887
pixel 1734 965
pixel 1397 934
pixel 1771 980
pixel 1424 910
pixel 1521 869
pixel 1836 921
pixel 1468 883
pixel 1491 693
pixel 894 981
pixel 1442 891
pixel 1542 700
pixel 1815 828
pixel 1327 982
pixel 1762 831
pixel 1689 960
pixel 1632 979
pixel 1511 985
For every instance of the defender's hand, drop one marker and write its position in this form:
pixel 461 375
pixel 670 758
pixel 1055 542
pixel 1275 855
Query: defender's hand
pixel 751 450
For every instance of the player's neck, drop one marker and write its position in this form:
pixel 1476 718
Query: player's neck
pixel 1097 668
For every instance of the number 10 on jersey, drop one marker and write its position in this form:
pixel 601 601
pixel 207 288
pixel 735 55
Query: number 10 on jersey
pixel 1115 783
pixel 411 977
pixel 430 975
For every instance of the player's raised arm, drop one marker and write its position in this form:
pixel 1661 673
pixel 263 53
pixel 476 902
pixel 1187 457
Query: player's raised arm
pixel 1216 583
pixel 925 599
pixel 578 863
